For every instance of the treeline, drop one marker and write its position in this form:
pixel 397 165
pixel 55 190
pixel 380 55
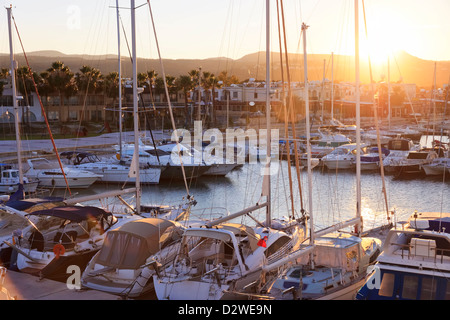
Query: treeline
pixel 59 80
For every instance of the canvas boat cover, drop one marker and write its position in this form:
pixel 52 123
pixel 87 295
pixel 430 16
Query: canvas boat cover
pixel 129 246
pixel 433 221
pixel 73 213
pixel 25 204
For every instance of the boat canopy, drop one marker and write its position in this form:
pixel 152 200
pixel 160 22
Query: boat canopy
pixel 27 204
pixel 129 246
pixel 73 213
pixel 433 221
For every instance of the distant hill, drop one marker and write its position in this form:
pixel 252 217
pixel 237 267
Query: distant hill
pixel 407 67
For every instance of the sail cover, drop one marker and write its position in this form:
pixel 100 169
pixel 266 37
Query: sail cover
pixel 73 213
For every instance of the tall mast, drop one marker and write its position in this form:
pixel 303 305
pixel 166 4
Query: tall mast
pixel 269 138
pixel 358 117
pixel 14 96
pixel 332 86
pixel 135 107
pixel 120 78
pixel 389 94
pixel 308 136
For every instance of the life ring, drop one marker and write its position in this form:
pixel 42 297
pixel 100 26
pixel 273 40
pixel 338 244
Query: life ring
pixel 58 250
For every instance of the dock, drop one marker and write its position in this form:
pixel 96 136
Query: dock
pixel 23 286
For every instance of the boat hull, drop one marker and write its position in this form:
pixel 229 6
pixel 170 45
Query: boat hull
pixel 27 187
pixel 60 182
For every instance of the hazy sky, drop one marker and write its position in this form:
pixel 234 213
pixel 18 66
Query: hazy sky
pixel 232 28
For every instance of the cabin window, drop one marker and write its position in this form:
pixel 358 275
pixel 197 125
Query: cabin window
pixel 277 245
pixel 447 292
pixel 410 286
pixel 387 285
pixel 428 290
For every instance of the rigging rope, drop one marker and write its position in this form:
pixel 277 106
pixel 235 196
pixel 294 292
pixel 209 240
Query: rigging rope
pixel 42 107
pixel 168 101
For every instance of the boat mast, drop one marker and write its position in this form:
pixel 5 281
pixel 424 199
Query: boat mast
pixel 135 107
pixel 269 138
pixel 308 136
pixel 332 86
pixel 358 119
pixel 120 78
pixel 14 96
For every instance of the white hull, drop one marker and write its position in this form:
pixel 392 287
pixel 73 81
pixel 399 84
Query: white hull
pixel 118 173
pixel 431 170
pixel 27 187
pixel 366 166
pixel 59 181
pixel 338 164
pixel 220 169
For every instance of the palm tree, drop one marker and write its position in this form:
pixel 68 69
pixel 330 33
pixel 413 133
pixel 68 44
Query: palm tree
pixel 4 73
pixel 89 80
pixel 185 84
pixel 61 80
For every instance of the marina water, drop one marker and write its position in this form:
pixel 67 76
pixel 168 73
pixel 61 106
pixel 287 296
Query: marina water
pixel 334 194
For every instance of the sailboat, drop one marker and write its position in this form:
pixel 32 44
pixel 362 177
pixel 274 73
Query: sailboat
pixel 117 171
pixel 11 179
pixel 221 260
pixel 337 265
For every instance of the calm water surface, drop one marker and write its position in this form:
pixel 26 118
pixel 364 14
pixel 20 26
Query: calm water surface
pixel 333 195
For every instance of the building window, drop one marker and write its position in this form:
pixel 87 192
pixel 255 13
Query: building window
pixel 73 115
pixel 235 95
pixel 53 115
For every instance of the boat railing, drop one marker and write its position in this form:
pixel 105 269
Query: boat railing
pixel 409 252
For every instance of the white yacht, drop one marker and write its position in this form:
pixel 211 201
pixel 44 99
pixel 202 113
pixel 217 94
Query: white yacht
pixel 414 263
pixel 343 157
pixel 50 175
pixel 110 170
pixel 9 180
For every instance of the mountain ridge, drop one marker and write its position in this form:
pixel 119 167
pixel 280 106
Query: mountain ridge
pixel 405 67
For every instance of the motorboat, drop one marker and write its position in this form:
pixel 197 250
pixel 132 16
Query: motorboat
pixel 109 170
pixel 327 143
pixel 51 176
pixel 343 157
pixel 62 236
pixel 371 160
pixel 9 180
pixel 414 263
pixel 339 267
pixel 223 261
pixel 414 162
pixel 437 167
pixel 399 149
pixel 123 265
pixel 166 158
